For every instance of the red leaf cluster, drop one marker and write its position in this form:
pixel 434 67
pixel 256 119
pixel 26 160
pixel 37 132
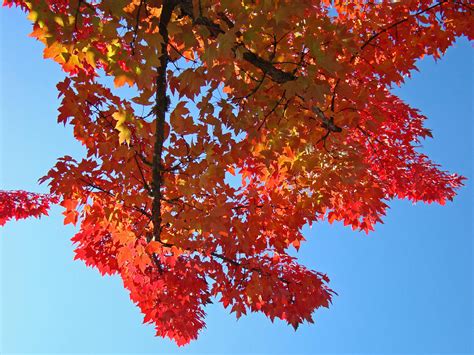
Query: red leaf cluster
pixel 22 204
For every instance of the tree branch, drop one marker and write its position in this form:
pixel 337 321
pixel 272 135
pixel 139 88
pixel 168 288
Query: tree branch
pixel 395 24
pixel 137 24
pixel 100 189
pixel 215 29
pixel 376 35
pixel 162 103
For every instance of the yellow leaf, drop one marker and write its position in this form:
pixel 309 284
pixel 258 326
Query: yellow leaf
pixel 53 50
pixel 121 80
pixel 59 21
pixel 33 16
pixel 90 58
pixel 124 133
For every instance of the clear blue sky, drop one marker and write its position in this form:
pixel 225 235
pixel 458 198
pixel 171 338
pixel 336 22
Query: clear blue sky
pixel 406 288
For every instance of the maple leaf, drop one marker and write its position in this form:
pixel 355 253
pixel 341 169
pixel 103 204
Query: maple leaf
pixel 20 204
pixel 290 97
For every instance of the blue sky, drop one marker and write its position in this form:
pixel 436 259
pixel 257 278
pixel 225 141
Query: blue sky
pixel 405 288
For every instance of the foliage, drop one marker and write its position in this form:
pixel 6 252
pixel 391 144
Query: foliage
pixel 22 204
pixel 248 120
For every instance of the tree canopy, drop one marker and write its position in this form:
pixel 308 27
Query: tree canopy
pixel 242 122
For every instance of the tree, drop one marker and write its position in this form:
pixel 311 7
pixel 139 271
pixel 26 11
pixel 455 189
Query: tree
pixel 245 121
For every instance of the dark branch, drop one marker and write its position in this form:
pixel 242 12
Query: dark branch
pixel 268 68
pixel 137 24
pixel 162 103
pixel 215 29
pixel 395 24
pixel 376 35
